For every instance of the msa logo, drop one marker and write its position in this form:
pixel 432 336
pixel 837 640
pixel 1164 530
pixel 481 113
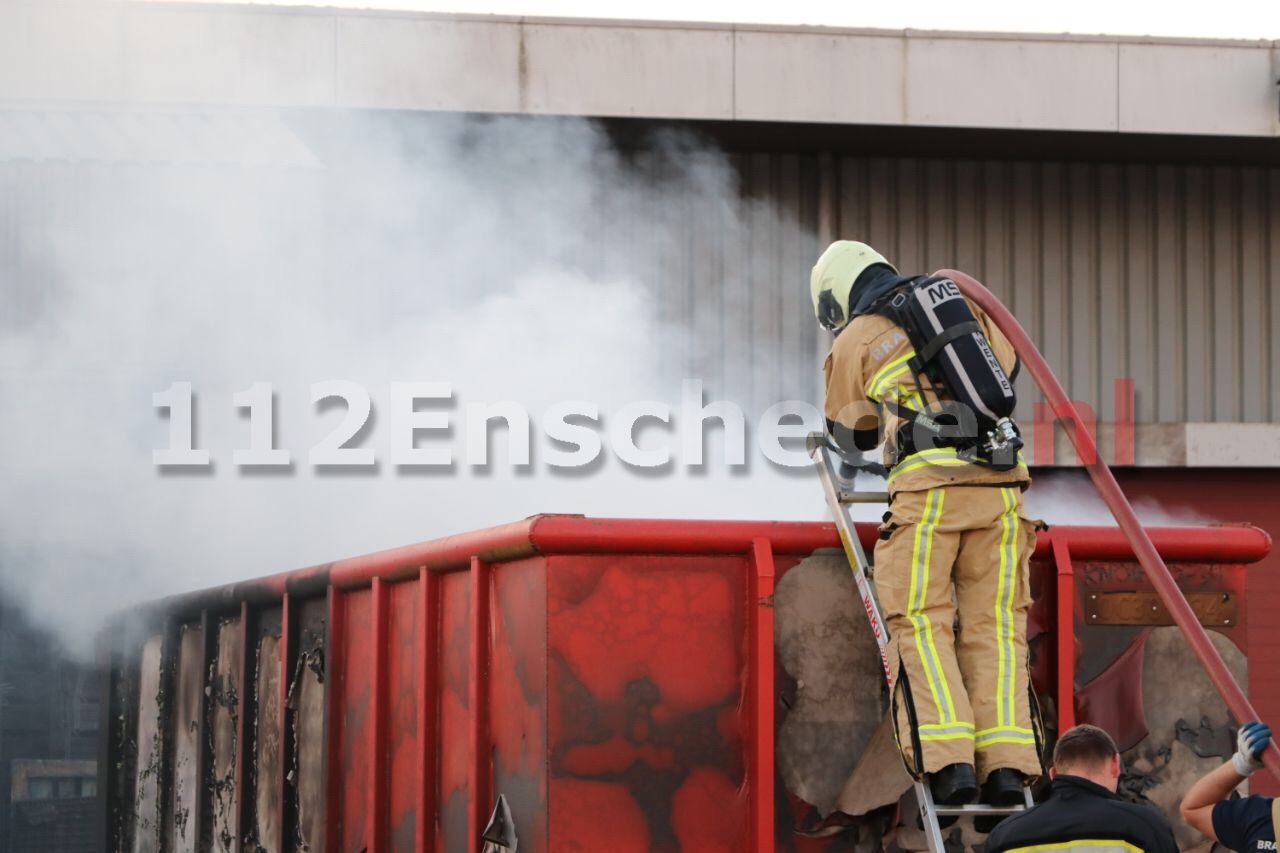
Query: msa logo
pixel 941 291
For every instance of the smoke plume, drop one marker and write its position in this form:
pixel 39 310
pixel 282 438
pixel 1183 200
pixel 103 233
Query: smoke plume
pixel 517 260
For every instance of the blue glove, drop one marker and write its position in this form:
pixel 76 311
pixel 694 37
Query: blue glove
pixel 1252 741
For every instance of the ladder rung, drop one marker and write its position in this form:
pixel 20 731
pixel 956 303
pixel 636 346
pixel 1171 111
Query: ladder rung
pixel 846 497
pixel 951 811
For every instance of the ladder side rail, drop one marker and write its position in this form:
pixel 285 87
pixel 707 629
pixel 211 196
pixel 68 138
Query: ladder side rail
pixel 856 555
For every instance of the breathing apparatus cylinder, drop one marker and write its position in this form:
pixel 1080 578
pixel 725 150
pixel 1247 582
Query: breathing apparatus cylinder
pixel 953 352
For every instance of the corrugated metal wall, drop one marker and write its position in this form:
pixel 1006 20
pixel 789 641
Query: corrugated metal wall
pixel 1169 275
pixel 1164 274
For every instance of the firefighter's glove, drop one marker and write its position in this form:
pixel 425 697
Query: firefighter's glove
pixel 834 446
pixel 1253 740
pixel 852 464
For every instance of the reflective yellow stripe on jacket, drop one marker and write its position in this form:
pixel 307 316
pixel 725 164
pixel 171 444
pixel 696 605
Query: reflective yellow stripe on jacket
pixel 882 384
pixel 1083 845
pixel 946 456
pixel 884 377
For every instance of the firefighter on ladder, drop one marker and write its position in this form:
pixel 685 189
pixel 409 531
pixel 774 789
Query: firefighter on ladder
pixel 961 698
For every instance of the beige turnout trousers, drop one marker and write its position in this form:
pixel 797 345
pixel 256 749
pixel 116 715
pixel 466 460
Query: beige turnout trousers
pixel 961 690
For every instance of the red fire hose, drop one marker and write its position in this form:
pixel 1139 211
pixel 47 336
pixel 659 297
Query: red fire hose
pixel 1109 489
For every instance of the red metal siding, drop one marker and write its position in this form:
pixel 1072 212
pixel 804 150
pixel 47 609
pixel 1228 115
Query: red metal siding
pixel 404 674
pixel 518 696
pixel 646 696
pixel 355 722
pixel 455 626
pixel 613 679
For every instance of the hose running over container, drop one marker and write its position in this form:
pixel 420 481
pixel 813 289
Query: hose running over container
pixel 1105 482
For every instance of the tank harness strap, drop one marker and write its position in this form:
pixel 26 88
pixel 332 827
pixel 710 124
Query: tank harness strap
pixel 946 336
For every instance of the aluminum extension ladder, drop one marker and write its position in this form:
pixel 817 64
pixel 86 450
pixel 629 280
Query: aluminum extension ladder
pixel 841 495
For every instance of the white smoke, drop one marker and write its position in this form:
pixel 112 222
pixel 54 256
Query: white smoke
pixel 523 260
pixel 514 259
pixel 1067 497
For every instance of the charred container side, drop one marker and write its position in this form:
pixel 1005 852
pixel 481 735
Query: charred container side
pixel 614 680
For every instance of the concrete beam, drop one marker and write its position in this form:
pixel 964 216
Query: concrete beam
pixel 148 52
pixel 667 72
pixel 1034 85
pixel 1224 91
pixel 47 54
pixel 425 64
pixel 198 54
pixel 816 77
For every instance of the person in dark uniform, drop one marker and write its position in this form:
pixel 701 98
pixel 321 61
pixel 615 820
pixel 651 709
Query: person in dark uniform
pixel 1083 813
pixel 1244 824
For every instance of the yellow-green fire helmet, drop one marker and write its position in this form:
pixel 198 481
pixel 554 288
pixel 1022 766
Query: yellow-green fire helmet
pixel 833 277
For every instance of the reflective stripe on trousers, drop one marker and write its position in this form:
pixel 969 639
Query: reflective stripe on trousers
pixel 1007 577
pixel 969 690
pixel 921 554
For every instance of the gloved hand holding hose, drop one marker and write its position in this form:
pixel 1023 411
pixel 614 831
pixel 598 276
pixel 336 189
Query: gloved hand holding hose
pixel 1251 743
pixel 1239 823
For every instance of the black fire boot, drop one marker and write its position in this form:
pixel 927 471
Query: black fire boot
pixel 954 785
pixel 1004 787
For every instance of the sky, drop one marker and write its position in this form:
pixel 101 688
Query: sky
pixel 1227 19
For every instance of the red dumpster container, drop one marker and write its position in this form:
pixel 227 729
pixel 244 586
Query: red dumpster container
pixel 614 679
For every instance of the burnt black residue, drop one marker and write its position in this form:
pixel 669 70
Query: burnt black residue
pixel 577 704
pixel 224 708
pixel 1133 784
pixel 223 787
pixel 152 773
pixel 123 747
pixel 251 840
pixel 304 716
pixel 692 739
pixel 312 660
pixel 189 700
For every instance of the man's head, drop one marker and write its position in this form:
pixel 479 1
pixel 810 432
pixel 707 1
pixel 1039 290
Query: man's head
pixel 1089 752
pixel 833 278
